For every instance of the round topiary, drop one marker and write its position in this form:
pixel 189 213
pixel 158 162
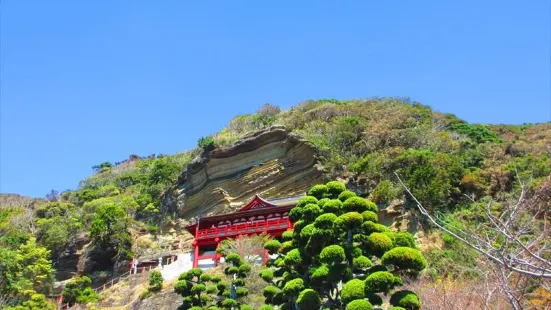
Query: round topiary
pixel 266 307
pixel 361 263
pixel 333 254
pixel 403 258
pixel 241 291
pixel 216 279
pixel 322 202
pixel 320 274
pixel 377 244
pixel 306 200
pixel 381 282
pixel 370 216
pixel 272 246
pixel 212 289
pixel 295 214
pixel 287 235
pixel 350 220
pixel 359 304
pixel 245 268
pixel 196 272
pixel 310 212
pixel 293 258
pixel 233 258
pixel 358 204
pixel 325 221
pixel 285 247
pixel 307 232
pixel 353 289
pixel 238 282
pixel 318 191
pixel 370 227
pixel 198 288
pixel 293 287
pixel 205 277
pixel 405 299
pixel 231 270
pixel 404 239
pixel 309 299
pixel 270 291
pixel 267 274
pixel 334 189
pixel 229 303
pixel 242 307
pixel 333 206
pixel 346 194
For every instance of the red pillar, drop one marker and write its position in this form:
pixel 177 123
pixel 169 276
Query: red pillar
pixel 196 256
pixel 217 257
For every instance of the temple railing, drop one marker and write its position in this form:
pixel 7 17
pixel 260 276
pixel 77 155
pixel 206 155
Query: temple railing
pixel 244 228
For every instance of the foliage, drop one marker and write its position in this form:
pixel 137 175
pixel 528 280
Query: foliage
pixel 206 143
pixel 203 291
pixel 35 302
pixel 109 231
pixel 79 290
pixel 328 248
pixel 155 281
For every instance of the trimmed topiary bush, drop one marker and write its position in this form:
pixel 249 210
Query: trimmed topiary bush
pixel 405 299
pixel 381 282
pixel 333 254
pixel 332 206
pixel 325 221
pixel 404 239
pixel 272 246
pixel 334 189
pixel 358 204
pixel 155 281
pixel 377 244
pixel 359 304
pixel 353 289
pixel 370 216
pixel 287 235
pixel 318 191
pixel 306 200
pixel 403 258
pixel 309 300
pixel 361 263
pixel 345 195
pixel 293 287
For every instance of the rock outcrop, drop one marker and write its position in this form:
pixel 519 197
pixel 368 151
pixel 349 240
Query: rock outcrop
pixel 272 163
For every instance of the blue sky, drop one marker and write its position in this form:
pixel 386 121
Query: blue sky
pixel 83 82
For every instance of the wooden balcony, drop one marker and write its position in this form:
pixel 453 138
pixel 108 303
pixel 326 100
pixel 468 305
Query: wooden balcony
pixel 268 226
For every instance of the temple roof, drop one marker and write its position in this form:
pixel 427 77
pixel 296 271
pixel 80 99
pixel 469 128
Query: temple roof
pixel 257 206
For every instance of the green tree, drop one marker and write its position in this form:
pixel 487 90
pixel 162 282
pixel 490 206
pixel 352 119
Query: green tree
pixel 209 292
pixel 35 302
pixel 36 271
pixel 109 231
pixel 344 247
pixel 79 290
pixel 155 281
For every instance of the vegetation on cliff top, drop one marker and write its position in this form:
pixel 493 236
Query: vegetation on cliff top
pixel 444 160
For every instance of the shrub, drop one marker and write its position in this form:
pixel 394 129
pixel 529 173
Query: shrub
pixel 332 206
pixel 404 239
pixel 293 258
pixel 293 287
pixel 318 191
pixel 332 254
pixel 266 307
pixel 206 143
pixel 361 263
pixel 322 202
pixel 345 195
pixel 309 300
pixel 358 204
pixel 381 281
pixel 310 212
pixel 403 258
pixel 405 299
pixel 370 216
pixel 306 200
pixel 272 246
pixel 325 221
pixel 335 188
pixel 242 307
pixel 155 281
pixel 353 289
pixel 370 227
pixel 378 243
pixel 145 294
pixel 359 305
pixel 287 235
pixel 383 193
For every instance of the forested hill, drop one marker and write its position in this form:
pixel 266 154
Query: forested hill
pixel 445 161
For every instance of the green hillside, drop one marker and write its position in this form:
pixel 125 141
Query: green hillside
pixel 446 162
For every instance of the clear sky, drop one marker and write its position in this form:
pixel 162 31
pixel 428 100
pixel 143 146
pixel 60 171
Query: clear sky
pixel 84 82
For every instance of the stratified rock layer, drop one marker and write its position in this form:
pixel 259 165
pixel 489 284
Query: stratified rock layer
pixel 272 163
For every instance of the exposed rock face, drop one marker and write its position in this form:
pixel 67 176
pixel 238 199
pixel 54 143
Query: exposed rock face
pixel 272 163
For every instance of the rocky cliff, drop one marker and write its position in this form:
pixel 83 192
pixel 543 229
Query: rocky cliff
pixel 272 163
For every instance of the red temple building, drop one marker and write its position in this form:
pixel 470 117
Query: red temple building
pixel 257 217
